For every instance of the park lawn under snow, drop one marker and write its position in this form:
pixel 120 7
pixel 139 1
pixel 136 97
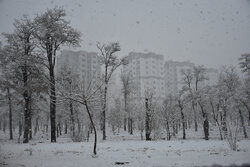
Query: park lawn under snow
pixel 191 152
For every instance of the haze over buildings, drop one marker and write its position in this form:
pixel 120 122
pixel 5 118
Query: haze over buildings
pixel 211 33
pixel 148 72
pixel 84 64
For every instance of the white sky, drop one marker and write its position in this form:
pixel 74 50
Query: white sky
pixel 212 33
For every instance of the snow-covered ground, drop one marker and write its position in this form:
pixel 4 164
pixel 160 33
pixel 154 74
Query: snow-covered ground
pixel 191 152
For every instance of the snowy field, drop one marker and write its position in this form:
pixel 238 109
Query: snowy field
pixel 136 153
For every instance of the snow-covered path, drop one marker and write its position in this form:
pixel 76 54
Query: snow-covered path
pixel 137 153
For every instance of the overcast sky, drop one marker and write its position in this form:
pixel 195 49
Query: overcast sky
pixel 211 33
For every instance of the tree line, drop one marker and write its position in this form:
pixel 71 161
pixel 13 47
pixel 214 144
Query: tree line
pixel 35 99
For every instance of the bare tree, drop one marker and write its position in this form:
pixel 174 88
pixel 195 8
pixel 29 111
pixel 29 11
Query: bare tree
pixel 181 103
pixel 245 62
pixel 78 91
pixel 115 116
pixel 140 116
pixel 52 32
pixel 189 79
pixel 199 77
pixel 111 63
pixel 150 104
pixel 245 96
pixel 239 105
pixel 227 86
pixel 193 80
pixel 169 114
pixel 203 101
pixel 24 60
pixel 215 107
pixel 245 67
pixel 127 89
pixel 6 85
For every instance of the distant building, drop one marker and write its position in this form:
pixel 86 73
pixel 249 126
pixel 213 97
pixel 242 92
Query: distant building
pixel 147 73
pixel 173 76
pixel 85 64
pixel 212 76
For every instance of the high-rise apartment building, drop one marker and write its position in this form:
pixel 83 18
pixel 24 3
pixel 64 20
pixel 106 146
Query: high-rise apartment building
pixel 147 71
pixel 85 64
pixel 173 75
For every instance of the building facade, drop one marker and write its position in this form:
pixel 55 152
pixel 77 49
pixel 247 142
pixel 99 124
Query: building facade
pixel 173 75
pixel 212 76
pixel 147 72
pixel 84 64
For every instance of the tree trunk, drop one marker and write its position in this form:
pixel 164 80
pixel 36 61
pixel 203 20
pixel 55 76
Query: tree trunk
pixel 72 118
pixel 189 123
pixel 216 119
pixel 147 121
pixel 176 127
pixel 10 114
pixel 126 119
pixel 79 126
pixel 104 112
pixel 141 133
pixel 60 129
pixel 93 125
pixel 52 105
pixel 131 126
pixel 243 124
pixel 30 123
pixel 205 123
pixel 20 129
pixel 194 106
pixel 36 126
pixel 57 131
pixel 26 117
pixel 128 125
pixel 206 128
pixel 46 128
pixel 113 129
pixel 66 127
pixel 224 122
pixel 4 125
pixel 183 125
pixel 125 124
pixel 168 131
pixel 248 109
